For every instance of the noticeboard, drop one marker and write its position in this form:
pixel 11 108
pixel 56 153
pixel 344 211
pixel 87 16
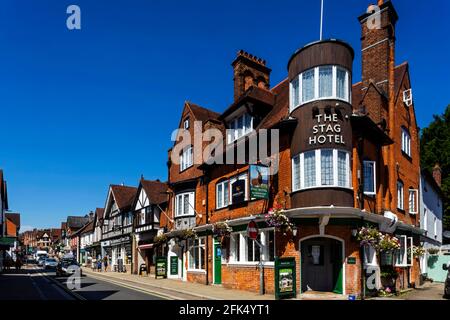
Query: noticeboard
pixel 285 278
pixel 161 267
pixel 174 265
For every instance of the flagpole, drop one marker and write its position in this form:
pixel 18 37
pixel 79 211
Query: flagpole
pixel 321 19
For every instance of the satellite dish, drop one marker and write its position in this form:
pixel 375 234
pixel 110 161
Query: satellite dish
pixel 446 234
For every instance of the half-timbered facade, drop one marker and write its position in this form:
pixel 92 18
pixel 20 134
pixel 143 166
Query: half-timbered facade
pixel 118 226
pixel 150 202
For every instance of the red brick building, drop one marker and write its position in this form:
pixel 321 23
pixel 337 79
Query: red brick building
pixel 348 157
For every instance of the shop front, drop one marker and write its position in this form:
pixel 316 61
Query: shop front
pixel 121 254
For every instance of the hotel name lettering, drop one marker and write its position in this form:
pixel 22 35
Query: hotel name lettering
pixel 326 130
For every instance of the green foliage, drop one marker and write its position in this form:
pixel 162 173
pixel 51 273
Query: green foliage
pixel 435 148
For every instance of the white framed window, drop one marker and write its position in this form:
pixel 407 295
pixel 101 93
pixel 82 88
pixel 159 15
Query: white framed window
pixel 435 228
pixel 412 201
pixel 323 82
pixel 400 196
pixel 186 124
pixel 425 219
pixel 197 254
pixel 369 172
pixel 406 142
pixel 245 250
pixel 242 177
pixel 404 255
pixel 321 168
pixel 186 158
pixel 408 97
pixel 239 127
pixel 184 204
pixel 222 194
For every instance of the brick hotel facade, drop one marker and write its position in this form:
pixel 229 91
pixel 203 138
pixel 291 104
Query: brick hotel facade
pixel 348 157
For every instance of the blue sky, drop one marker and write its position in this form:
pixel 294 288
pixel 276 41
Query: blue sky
pixel 82 109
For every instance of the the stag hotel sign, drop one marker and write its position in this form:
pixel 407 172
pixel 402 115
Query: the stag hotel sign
pixel 327 130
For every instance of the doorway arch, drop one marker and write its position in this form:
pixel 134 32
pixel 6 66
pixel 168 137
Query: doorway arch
pixel 322 264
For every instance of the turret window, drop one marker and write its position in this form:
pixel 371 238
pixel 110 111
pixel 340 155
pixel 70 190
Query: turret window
pixel 321 168
pixel 324 82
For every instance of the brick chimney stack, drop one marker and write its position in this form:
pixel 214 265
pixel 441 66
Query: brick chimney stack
pixel 437 174
pixel 249 70
pixel 377 44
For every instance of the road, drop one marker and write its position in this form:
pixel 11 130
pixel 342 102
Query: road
pixel 33 283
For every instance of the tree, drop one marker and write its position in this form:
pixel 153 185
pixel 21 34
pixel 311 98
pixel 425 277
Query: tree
pixel 435 148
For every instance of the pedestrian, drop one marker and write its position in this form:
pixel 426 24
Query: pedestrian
pixel 93 264
pixel 105 262
pixel 18 263
pixel 99 265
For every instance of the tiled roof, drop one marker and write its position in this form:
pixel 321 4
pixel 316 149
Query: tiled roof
pixel 155 190
pixel 280 110
pixel 74 222
pixel 14 217
pixel 124 196
pixel 99 213
pixel 201 113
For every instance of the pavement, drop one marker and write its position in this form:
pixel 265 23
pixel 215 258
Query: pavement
pixel 429 291
pixel 175 289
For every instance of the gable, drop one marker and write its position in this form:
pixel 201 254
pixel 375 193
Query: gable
pixel 142 200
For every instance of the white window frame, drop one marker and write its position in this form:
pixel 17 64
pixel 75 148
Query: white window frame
pixel 318 171
pixel 374 172
pixel 233 132
pixel 187 158
pixel 406 142
pixel 186 123
pixel 243 248
pixel 225 201
pixel 435 227
pixel 414 194
pixel 293 104
pixel 425 219
pixel 400 195
pixel 191 246
pixel 408 97
pixel 191 211
pixel 409 243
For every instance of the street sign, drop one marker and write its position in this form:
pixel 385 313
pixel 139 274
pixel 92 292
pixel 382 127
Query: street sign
pixel 252 230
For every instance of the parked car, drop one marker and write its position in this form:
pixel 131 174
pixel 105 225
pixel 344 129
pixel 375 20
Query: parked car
pixel 67 267
pixel 447 281
pixel 40 254
pixel 50 263
pixel 41 261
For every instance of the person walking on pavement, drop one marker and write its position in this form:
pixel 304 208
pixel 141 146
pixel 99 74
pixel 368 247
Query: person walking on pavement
pixel 99 265
pixel 18 263
pixel 105 262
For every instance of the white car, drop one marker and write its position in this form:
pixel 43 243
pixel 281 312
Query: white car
pixel 50 263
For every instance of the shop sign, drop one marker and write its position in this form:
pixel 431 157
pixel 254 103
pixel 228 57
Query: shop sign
pixel 106 243
pixel 327 130
pixel 259 182
pixel 161 267
pixel 174 265
pixel 238 191
pixel 285 278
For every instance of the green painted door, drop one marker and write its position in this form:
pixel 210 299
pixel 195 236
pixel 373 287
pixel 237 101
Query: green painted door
pixel 217 262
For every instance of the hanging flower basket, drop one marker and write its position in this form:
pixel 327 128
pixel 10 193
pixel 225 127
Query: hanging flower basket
pixel 188 234
pixel 276 218
pixel 418 251
pixel 388 243
pixel 159 240
pixel 221 229
pixel 368 236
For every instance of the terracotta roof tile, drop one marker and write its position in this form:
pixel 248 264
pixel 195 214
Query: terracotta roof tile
pixel 124 196
pixel 201 113
pixel 156 191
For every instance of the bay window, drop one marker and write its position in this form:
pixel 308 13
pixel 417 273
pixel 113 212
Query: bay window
pixel 244 249
pixel 184 204
pixel 369 171
pixel 186 158
pixel 400 195
pixel 324 82
pixel 239 127
pixel 321 168
pixel 197 253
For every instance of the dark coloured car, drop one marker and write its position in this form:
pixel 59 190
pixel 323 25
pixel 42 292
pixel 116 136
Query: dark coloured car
pixel 67 267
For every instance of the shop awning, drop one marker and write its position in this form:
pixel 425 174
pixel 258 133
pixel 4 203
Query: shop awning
pixel 7 241
pixel 145 246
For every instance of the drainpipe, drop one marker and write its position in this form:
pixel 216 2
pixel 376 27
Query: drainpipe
pixel 363 273
pixel 206 180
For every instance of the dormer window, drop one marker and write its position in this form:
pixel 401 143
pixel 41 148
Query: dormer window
pixel 239 127
pixel 186 158
pixel 320 83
